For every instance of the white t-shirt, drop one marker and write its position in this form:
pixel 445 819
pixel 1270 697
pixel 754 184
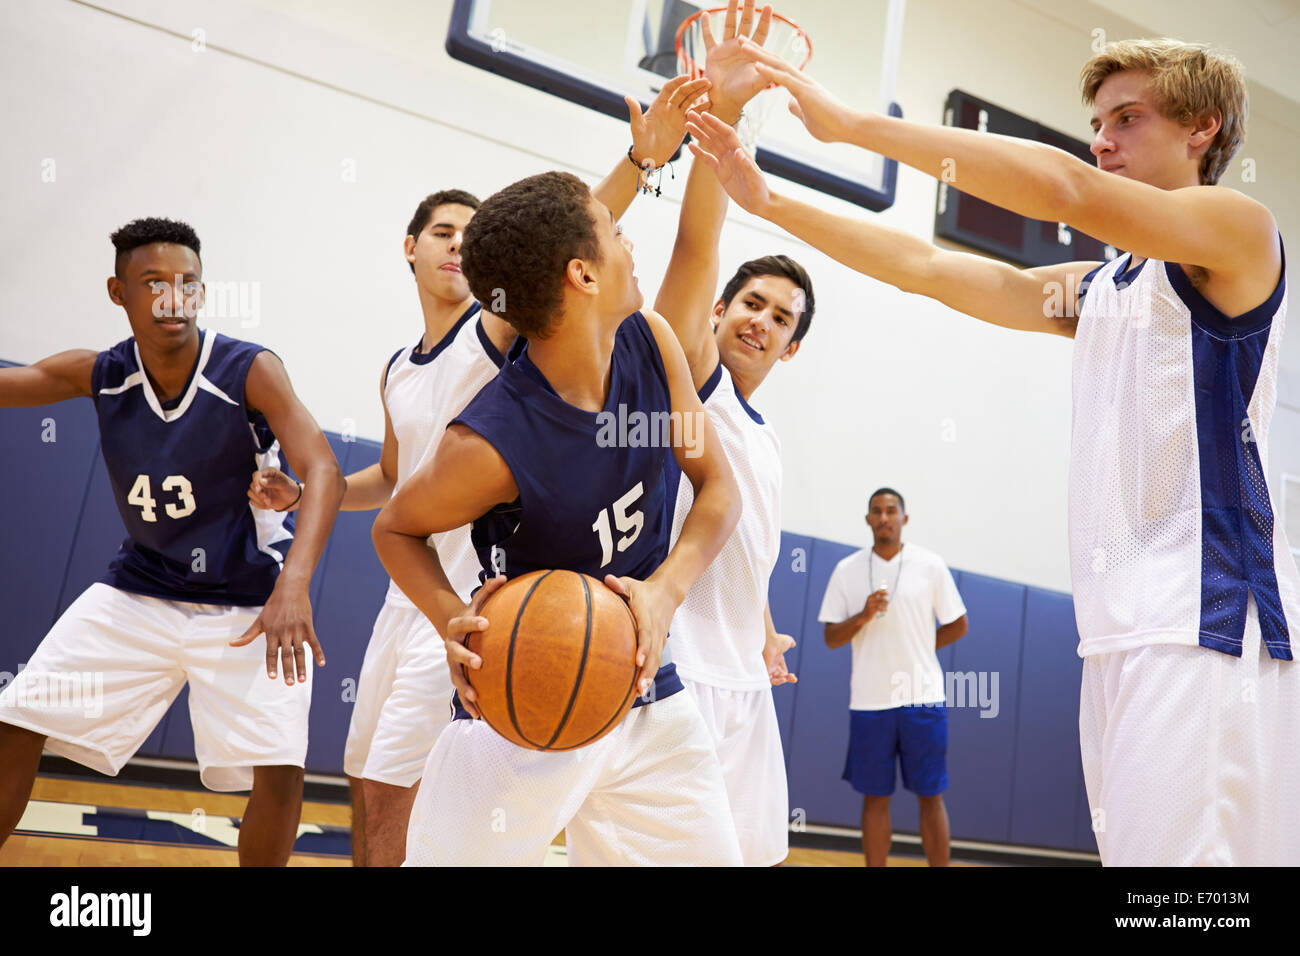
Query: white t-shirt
pixel 894 661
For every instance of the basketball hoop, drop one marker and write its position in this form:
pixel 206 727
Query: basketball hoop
pixel 786 39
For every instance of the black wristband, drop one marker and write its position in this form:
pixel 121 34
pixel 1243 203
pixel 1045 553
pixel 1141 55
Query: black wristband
pixel 292 503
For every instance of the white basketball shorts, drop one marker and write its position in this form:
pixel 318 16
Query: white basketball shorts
pixel 1189 755
pixel 403 699
pixel 110 667
pixel 748 741
pixel 650 793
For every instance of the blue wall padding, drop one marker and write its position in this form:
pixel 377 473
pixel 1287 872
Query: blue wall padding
pixel 981 749
pixel 44 491
pixel 1044 803
pixel 819 732
pixel 787 594
pixel 353 584
pixel 1014 778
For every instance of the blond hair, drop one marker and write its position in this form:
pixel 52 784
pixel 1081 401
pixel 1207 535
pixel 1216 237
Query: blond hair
pixel 1189 80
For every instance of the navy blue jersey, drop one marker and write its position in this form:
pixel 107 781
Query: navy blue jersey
pixel 591 484
pixel 180 474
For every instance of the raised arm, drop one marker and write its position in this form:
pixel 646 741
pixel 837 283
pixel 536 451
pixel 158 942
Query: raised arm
pixel 716 508
pixel 287 619
pixel 656 134
pixel 463 481
pixel 54 379
pixel 709 523
pixel 690 284
pixel 1219 229
pixel 1036 300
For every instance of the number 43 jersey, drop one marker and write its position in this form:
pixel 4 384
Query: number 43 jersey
pixel 180 472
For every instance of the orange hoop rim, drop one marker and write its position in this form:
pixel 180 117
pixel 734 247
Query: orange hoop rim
pixel 696 72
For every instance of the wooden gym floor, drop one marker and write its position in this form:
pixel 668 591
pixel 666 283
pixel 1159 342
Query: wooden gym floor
pixel 100 822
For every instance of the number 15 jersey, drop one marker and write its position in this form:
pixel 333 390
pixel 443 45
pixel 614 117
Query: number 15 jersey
pixel 180 472
pixel 591 484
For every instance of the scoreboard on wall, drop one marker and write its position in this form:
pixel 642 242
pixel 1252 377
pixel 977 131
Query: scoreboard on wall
pixel 980 225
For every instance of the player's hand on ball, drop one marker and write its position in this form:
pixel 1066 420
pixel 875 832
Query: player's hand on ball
pixel 718 145
pixel 774 649
pixel 658 132
pixel 459 656
pixel 286 622
pixel 825 117
pixel 653 609
pixel 273 490
pixel 734 75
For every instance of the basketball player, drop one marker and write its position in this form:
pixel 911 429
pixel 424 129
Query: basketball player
pixel 404 692
pixel 723 640
pixel 184 415
pixel 1179 567
pixel 525 462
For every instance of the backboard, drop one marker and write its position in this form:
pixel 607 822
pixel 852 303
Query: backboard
pixel 598 52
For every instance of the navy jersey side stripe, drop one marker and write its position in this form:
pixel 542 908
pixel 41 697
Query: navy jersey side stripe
pixel 1237 521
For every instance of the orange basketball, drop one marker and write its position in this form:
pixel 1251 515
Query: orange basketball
pixel 559 660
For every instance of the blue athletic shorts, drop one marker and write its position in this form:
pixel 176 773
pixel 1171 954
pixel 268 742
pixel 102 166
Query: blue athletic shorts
pixel 917 736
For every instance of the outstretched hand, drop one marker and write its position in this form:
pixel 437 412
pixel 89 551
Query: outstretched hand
pixel 717 144
pixel 774 649
pixel 825 117
pixel 658 132
pixel 734 75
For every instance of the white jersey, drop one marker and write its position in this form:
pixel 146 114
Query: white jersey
pixel 423 391
pixel 1171 521
pixel 717 635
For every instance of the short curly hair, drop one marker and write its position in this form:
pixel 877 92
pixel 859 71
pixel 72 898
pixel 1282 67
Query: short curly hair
pixel 519 244
pixel 424 211
pixel 1189 80
pixel 146 231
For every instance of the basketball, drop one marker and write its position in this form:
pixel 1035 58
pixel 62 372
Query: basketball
pixel 559 660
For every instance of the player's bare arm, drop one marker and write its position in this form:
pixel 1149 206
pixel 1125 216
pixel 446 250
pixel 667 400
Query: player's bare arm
pixel 656 134
pixel 53 379
pixel 709 523
pixel 365 490
pixel 1035 300
pixel 945 634
pixel 1229 235
pixel 691 281
pixel 839 634
pixel 463 481
pixel 287 619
